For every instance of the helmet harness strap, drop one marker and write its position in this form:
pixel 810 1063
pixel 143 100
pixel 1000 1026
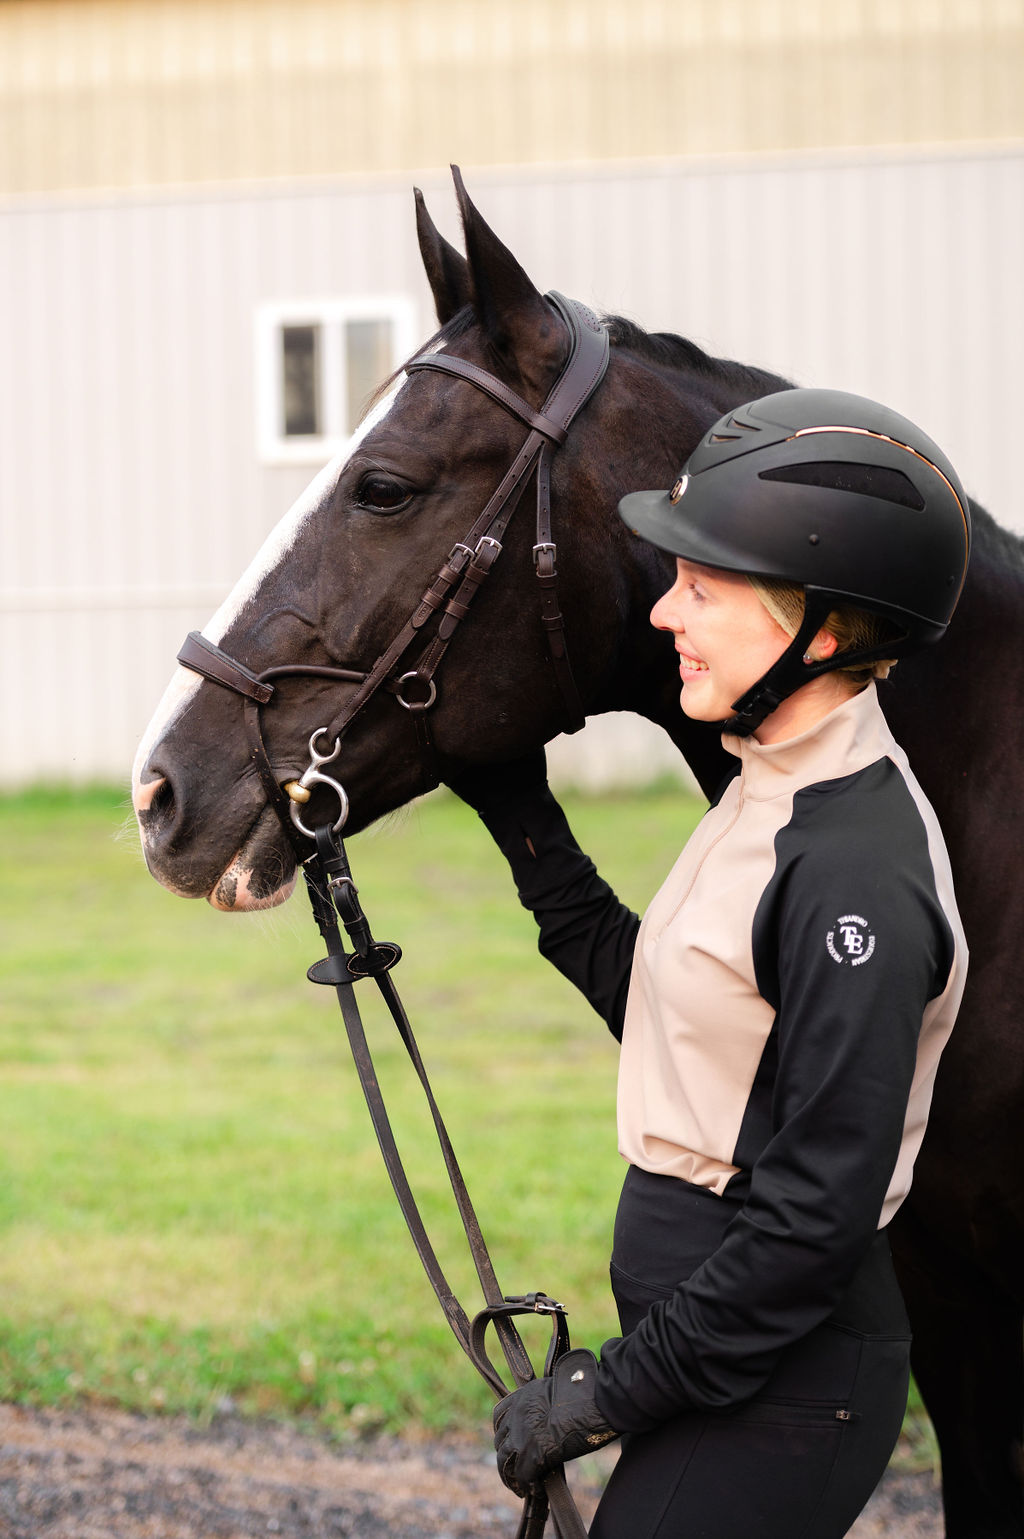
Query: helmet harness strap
pixel 787 675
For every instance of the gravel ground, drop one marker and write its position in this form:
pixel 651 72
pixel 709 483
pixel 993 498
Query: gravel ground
pixel 109 1475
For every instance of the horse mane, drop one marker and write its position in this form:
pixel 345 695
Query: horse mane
pixel 1002 546
pixel 675 352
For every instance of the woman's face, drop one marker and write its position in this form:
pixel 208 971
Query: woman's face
pixel 724 636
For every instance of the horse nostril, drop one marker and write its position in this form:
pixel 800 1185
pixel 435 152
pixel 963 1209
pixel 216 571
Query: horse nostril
pixel 162 801
pixel 154 800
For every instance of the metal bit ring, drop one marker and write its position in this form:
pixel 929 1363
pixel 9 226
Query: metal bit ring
pixel 314 776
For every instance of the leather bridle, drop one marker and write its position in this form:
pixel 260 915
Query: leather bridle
pixel 451 592
pixel 332 891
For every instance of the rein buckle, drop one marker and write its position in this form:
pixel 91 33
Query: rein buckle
pixel 539 1303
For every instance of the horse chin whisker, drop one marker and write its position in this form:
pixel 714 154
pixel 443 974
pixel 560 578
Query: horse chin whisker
pixel 127 833
pixel 286 919
pixel 397 819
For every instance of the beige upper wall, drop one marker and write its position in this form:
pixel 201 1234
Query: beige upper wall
pixel 142 93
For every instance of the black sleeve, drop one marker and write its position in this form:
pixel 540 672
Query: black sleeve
pixel 850 943
pixel 584 929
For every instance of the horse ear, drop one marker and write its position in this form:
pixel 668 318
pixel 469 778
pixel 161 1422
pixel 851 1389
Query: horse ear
pixel 510 309
pixel 447 269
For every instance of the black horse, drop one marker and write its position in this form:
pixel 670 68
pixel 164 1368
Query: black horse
pixel 338 581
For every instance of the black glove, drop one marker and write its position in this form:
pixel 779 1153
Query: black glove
pixel 548 1421
pixel 493 788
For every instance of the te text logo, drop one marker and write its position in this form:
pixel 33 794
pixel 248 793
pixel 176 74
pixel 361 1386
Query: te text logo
pixel 850 941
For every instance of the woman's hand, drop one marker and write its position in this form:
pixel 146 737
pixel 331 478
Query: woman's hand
pixel 548 1421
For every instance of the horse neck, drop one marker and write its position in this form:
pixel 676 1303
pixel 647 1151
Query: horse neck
pixel 955 707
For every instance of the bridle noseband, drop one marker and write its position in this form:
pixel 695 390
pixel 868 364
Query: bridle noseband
pixel 452 591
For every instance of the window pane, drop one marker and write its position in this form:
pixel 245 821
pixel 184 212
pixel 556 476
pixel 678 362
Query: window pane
pixel 368 361
pixel 300 394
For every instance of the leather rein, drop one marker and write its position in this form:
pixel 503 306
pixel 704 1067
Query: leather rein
pixel 332 891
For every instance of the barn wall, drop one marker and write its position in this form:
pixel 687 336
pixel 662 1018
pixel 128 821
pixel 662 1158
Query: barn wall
pixel 134 93
pixel 131 493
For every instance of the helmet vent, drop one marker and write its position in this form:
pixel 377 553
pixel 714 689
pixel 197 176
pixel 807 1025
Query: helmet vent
pixel 866 480
pixel 729 438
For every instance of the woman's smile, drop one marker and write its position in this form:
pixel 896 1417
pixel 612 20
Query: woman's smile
pixel 690 665
pixel 726 640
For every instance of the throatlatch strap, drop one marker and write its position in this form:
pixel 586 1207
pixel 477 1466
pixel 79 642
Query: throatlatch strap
pixel 332 892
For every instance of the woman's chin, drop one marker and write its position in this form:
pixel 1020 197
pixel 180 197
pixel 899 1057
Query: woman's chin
pixel 698 707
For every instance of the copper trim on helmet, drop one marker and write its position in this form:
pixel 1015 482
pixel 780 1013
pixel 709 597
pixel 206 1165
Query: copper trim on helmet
pixel 885 438
pixel 866 433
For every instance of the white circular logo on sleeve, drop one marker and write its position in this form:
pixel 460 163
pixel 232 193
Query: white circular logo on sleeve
pixel 850 941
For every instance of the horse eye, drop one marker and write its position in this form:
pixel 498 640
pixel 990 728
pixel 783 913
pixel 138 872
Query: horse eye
pixel 382 493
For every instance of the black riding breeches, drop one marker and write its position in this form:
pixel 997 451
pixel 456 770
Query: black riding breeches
pixel 800 1459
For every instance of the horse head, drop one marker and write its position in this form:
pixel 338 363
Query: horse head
pixel 350 564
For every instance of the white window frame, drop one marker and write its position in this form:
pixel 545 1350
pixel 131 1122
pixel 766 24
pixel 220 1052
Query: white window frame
pixel 273 445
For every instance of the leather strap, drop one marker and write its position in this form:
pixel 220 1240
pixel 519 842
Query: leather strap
pixel 203 657
pixel 495 388
pixel 588 360
pixel 332 891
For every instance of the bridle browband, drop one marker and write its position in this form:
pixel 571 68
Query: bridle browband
pixel 332 891
pixel 452 591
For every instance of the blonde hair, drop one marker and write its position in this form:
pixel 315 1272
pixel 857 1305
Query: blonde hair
pixel 853 628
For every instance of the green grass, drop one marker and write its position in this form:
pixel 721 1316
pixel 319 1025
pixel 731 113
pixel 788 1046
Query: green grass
pixel 193 1210
pixel 192 1206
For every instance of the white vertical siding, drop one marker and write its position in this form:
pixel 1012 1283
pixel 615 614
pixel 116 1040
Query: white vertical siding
pixel 130 490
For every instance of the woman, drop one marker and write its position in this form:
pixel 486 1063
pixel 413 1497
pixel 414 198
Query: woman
pixel 784 1003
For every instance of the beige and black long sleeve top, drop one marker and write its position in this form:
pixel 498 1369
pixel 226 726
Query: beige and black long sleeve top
pixel 782 1009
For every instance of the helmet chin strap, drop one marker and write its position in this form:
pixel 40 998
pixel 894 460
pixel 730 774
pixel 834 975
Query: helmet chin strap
pixel 787 675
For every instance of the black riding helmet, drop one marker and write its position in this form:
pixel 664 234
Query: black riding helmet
pixel 831 491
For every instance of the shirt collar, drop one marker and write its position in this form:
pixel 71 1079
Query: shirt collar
pixel 849 738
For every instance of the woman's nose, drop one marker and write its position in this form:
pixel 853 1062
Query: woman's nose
pixel 664 615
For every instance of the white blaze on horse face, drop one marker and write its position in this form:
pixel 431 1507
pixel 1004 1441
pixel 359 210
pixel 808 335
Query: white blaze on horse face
pixel 184 683
pixel 282 538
